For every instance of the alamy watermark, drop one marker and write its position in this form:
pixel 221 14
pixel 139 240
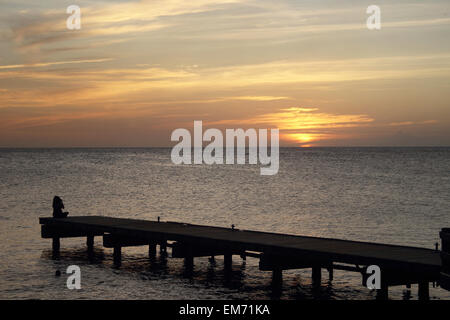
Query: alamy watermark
pixel 74 280
pixel 374 20
pixel 213 152
pixel 373 281
pixel 73 22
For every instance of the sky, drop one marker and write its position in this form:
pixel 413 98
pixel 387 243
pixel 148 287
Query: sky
pixel 137 70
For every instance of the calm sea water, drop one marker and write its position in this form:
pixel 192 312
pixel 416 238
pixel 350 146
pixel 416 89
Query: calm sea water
pixel 391 195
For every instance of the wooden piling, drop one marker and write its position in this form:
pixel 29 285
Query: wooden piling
pixel 163 247
pixel 228 261
pixel 330 274
pixel 444 280
pixel 90 243
pixel 383 292
pixel 277 281
pixel 316 276
pixel 277 277
pixel 117 255
pixel 445 238
pixel 189 258
pixel 152 250
pixel 55 245
pixel 424 290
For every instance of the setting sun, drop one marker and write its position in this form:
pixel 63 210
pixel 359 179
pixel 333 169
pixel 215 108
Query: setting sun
pixel 304 139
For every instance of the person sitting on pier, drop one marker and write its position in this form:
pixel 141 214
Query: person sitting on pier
pixel 58 205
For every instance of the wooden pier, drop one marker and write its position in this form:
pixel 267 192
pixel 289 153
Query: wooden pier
pixel 445 255
pixel 400 265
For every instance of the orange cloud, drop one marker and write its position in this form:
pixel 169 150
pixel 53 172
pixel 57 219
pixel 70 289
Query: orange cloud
pixel 411 123
pixel 303 126
pixel 48 64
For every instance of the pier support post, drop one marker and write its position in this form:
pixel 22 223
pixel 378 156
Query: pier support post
pixel 277 282
pixel 382 293
pixel 189 262
pixel 330 274
pixel 117 255
pixel 228 261
pixel 316 276
pixel 90 243
pixel 151 250
pixel 424 290
pixel 55 246
pixel 189 258
pixel 277 277
pixel 163 247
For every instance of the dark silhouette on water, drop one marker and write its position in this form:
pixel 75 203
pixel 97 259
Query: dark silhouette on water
pixel 445 256
pixel 401 265
pixel 58 205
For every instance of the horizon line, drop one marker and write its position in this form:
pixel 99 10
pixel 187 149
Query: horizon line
pixel 281 147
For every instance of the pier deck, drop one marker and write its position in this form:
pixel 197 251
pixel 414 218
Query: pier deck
pixel 277 252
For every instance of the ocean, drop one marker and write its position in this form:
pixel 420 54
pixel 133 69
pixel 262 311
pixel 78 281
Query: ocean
pixel 386 195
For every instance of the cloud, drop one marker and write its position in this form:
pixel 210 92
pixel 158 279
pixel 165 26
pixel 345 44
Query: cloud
pixel 258 98
pixel 296 118
pixel 136 84
pixel 33 30
pixel 226 20
pixel 302 125
pixel 55 63
pixel 411 123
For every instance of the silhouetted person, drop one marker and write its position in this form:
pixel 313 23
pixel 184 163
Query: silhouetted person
pixel 58 205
